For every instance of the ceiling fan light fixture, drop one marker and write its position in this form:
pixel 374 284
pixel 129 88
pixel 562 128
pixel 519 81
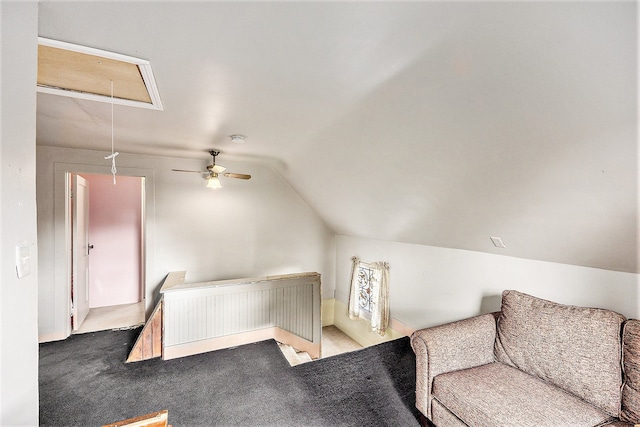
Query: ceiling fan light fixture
pixel 238 139
pixel 213 182
pixel 213 172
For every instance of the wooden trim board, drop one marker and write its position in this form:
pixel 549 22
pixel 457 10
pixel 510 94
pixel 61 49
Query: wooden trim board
pixel 149 342
pixel 155 419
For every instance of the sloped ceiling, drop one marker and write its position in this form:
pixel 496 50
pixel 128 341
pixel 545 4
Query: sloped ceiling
pixel 435 123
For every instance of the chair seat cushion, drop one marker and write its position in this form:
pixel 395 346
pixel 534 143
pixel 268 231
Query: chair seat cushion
pixel 496 395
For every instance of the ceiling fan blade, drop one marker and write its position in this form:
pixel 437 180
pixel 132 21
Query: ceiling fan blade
pixel 184 170
pixel 237 175
pixel 218 168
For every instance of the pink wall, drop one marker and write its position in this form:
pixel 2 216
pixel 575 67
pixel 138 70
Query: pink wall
pixel 115 231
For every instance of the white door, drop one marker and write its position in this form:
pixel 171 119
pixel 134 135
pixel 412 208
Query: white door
pixel 80 249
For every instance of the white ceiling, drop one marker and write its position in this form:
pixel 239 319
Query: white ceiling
pixel 436 123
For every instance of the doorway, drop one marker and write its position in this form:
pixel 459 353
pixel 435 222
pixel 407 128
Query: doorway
pixel 112 288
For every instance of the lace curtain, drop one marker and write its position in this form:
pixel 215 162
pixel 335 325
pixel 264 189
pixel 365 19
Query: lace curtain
pixel 378 293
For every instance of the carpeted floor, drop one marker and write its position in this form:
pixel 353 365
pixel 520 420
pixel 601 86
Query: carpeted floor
pixel 85 382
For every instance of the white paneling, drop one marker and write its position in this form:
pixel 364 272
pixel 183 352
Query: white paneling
pixel 197 314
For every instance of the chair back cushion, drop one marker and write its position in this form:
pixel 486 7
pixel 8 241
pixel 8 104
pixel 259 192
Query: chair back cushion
pixel 576 348
pixel 631 366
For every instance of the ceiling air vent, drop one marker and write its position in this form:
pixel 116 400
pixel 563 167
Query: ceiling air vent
pixel 82 72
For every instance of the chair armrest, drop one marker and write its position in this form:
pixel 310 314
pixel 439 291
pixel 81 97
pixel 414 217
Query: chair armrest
pixel 458 345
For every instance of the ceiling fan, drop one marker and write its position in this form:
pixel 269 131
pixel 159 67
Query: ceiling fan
pixel 214 170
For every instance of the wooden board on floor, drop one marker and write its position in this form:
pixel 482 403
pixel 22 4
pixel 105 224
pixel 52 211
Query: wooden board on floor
pixel 156 419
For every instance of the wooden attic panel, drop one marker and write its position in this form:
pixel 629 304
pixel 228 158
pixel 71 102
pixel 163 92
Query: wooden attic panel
pixel 85 73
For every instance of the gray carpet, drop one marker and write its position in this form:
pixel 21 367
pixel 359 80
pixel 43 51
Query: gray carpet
pixel 85 382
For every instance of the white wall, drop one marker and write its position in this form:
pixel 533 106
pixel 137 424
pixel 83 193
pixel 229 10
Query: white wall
pixel 431 285
pixel 18 297
pixel 249 228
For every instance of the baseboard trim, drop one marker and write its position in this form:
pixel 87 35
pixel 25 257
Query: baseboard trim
pixel 52 337
pixel 360 330
pixel 227 341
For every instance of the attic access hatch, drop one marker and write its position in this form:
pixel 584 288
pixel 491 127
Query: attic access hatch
pixel 82 72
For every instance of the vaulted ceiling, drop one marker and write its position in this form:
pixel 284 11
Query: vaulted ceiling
pixel 435 123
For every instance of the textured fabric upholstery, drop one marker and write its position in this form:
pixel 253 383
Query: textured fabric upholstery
pixel 443 418
pixel 631 365
pixel 578 349
pixel 458 345
pixel 552 365
pixel 495 395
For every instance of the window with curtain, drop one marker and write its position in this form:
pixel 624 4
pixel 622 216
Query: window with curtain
pixel 369 295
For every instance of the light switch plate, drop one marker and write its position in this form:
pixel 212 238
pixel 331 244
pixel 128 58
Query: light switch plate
pixel 23 260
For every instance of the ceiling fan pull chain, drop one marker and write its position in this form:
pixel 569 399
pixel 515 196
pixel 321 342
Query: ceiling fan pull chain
pixel 113 154
pixel 114 171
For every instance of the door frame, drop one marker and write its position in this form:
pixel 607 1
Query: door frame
pixel 62 240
